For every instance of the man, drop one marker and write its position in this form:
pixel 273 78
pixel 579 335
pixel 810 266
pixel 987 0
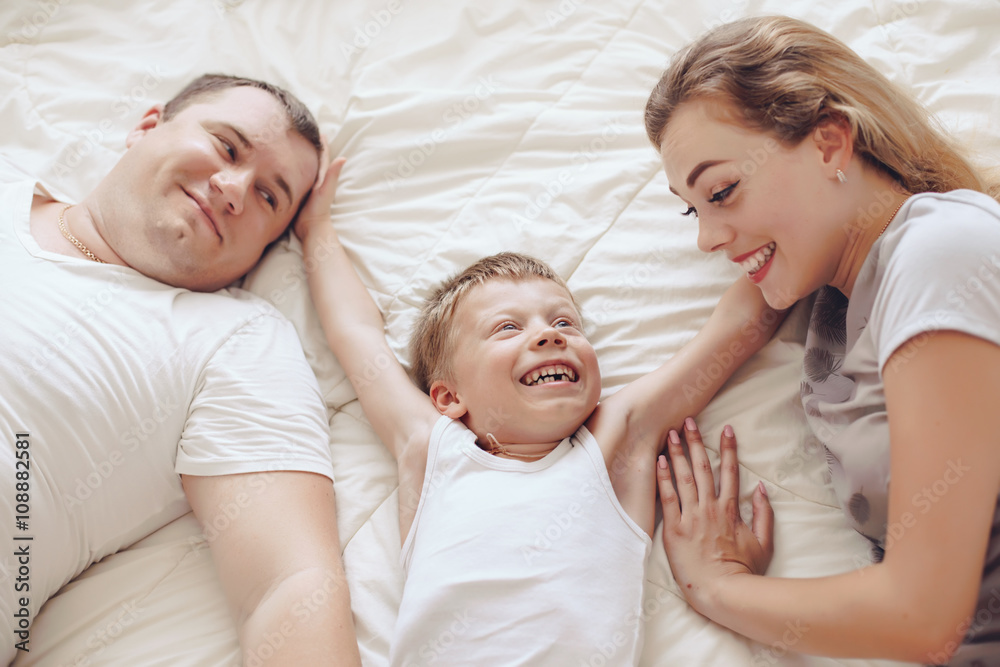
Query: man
pixel 133 388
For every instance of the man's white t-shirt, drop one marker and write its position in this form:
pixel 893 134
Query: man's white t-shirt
pixel 120 384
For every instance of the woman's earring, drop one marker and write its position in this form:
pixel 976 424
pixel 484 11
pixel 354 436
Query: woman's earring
pixel 841 176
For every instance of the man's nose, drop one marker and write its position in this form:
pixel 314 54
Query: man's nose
pixel 233 185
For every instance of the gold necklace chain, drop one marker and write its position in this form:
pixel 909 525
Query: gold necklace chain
pixel 72 239
pixel 886 225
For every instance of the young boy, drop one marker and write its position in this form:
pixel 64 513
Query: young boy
pixel 526 508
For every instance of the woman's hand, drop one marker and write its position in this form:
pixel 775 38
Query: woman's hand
pixel 704 535
pixel 316 212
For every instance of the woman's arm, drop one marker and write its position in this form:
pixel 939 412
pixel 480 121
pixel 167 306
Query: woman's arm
pixel 941 392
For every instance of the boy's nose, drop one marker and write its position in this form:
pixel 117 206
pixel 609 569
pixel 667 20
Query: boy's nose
pixel 550 336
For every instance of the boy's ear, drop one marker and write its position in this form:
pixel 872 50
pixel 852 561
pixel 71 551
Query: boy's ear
pixel 150 119
pixel 835 142
pixel 446 400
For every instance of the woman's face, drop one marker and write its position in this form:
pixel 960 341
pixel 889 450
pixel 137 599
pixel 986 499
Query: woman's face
pixel 771 208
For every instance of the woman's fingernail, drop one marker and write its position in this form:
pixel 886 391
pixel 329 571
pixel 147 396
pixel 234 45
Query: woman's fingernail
pixel 674 438
pixel 727 430
pixel 689 424
pixel 763 489
pixel 662 462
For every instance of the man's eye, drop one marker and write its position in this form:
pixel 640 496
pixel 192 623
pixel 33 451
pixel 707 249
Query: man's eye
pixel 228 147
pixel 690 211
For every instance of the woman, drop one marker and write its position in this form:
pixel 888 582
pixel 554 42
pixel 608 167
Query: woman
pixel 809 169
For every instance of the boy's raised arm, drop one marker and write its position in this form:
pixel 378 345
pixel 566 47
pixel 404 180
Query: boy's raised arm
pixel 354 327
pixel 740 325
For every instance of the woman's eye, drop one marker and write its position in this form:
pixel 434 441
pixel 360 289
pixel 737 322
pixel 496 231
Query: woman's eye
pixel 690 211
pixel 722 194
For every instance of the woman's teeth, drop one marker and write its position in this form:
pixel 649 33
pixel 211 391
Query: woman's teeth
pixel 753 263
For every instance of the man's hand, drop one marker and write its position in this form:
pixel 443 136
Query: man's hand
pixel 316 212
pixel 277 552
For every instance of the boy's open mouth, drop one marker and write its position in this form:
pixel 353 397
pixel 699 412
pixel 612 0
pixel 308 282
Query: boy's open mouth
pixel 553 373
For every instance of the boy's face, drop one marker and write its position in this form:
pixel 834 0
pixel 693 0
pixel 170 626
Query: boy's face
pixel 522 368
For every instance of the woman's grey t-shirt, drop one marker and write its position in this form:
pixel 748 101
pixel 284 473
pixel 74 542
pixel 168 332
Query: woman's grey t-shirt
pixel 937 267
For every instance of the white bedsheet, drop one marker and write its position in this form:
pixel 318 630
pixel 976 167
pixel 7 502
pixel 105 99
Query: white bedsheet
pixel 469 128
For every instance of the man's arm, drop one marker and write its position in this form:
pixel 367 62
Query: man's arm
pixel 278 558
pixel 355 330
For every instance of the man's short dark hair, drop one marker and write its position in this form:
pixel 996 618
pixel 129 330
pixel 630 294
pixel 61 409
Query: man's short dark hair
pixel 299 116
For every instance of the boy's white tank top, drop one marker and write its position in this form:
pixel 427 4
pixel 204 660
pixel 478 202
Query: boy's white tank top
pixel 514 562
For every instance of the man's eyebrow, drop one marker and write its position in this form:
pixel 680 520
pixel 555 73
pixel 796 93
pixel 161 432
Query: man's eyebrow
pixel 239 135
pixel 248 145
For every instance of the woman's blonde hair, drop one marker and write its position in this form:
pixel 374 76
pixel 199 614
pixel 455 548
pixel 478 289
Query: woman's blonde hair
pixel 786 76
pixel 432 340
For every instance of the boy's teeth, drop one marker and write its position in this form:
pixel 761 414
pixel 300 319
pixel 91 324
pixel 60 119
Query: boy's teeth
pixel 551 374
pixel 753 263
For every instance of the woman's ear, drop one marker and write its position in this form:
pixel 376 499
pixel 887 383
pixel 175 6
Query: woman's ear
pixel 446 400
pixel 834 142
pixel 150 119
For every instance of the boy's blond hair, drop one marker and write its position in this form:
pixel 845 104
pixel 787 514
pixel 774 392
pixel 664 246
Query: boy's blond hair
pixel 432 341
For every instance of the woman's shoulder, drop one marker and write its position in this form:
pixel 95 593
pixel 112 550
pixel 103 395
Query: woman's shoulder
pixel 944 226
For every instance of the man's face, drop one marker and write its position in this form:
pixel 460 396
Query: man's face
pixel 198 198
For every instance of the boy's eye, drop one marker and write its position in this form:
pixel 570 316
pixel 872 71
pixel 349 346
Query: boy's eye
pixel 563 322
pixel 722 194
pixel 269 198
pixel 507 327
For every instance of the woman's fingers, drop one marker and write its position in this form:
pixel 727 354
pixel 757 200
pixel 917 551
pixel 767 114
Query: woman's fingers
pixel 668 496
pixel 763 521
pixel 687 486
pixel 699 461
pixel 729 467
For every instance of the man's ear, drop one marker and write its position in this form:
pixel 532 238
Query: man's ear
pixel 446 400
pixel 150 119
pixel 834 140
